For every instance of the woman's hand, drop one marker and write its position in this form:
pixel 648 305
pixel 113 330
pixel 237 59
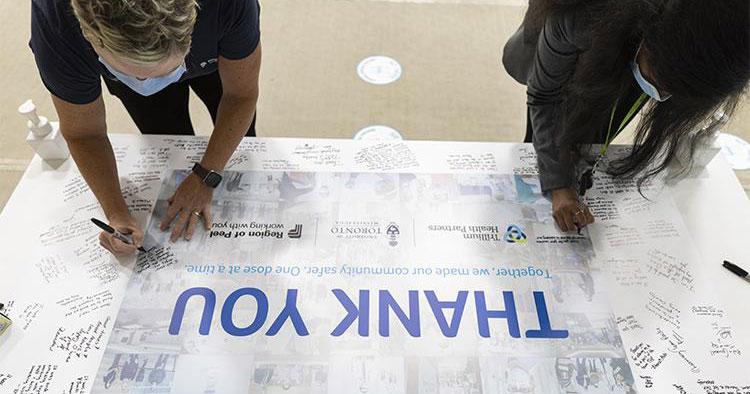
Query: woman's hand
pixel 569 213
pixel 189 204
pixel 126 224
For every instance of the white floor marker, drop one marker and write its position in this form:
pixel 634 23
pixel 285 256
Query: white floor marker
pixel 378 132
pixel 379 70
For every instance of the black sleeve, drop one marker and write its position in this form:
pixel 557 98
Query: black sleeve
pixel 61 56
pixel 553 64
pixel 240 28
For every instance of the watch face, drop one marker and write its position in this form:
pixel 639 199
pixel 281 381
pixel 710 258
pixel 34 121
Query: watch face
pixel 212 179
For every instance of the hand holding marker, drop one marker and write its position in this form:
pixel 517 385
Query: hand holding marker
pixel 115 233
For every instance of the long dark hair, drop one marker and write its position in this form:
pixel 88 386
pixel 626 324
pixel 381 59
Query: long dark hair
pixel 698 51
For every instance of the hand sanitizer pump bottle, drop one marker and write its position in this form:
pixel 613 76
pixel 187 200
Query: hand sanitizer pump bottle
pixel 708 147
pixel 44 136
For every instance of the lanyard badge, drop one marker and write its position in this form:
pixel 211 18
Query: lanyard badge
pixel 4 320
pixel 586 180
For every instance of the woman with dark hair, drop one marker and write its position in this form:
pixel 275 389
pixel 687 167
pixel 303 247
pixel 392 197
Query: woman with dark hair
pixel 591 65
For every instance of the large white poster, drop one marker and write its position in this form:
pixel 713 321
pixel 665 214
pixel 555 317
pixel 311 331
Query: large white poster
pixel 316 282
pixel 426 270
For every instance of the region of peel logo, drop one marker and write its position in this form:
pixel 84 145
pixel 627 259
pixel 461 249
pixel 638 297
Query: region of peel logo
pixel 296 232
pixel 515 235
pixel 253 230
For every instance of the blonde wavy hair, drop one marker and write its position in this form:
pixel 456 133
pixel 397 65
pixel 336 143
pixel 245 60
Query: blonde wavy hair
pixel 142 31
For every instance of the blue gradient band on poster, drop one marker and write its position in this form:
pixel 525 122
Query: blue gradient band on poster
pixel 360 312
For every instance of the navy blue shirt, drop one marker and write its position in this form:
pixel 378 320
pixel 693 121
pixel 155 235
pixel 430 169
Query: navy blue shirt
pixel 70 69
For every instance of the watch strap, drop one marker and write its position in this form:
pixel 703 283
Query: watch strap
pixel 206 175
pixel 199 170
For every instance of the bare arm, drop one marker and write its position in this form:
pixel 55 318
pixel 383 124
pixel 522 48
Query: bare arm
pixel 192 200
pixel 239 80
pixel 85 130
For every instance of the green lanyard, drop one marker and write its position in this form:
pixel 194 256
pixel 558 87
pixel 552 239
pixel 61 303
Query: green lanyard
pixel 586 180
pixel 633 110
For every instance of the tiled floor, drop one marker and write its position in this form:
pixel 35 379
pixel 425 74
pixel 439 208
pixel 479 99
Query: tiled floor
pixel 453 86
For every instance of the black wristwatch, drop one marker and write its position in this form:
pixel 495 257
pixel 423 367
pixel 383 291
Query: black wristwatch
pixel 210 178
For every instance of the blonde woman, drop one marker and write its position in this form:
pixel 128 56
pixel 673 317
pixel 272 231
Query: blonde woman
pixel 149 54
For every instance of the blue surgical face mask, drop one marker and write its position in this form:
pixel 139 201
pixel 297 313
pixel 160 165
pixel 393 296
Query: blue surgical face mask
pixel 148 86
pixel 645 85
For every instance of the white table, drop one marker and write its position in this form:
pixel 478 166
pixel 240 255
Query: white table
pixel 715 209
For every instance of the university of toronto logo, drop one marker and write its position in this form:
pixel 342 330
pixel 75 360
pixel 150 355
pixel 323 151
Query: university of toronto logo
pixel 392 232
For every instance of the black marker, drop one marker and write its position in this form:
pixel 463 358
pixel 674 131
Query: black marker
pixel 736 270
pixel 115 233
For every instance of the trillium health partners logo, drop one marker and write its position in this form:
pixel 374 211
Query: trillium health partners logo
pixel 475 232
pixel 515 235
pixel 482 232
